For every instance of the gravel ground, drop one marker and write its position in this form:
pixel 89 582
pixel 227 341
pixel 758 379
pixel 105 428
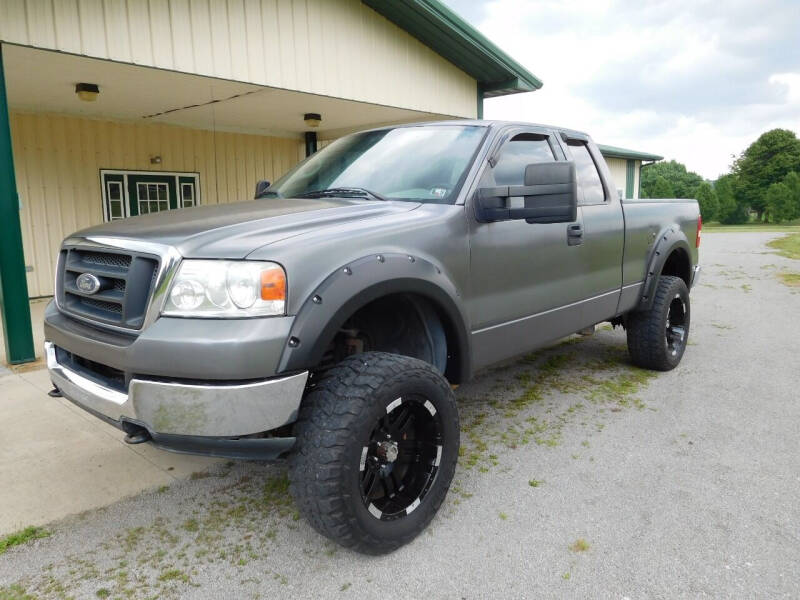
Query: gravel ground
pixel 580 477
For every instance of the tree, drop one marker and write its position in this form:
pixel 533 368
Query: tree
pixel 779 202
pixel 766 161
pixel 792 181
pixel 683 183
pixel 660 189
pixel 707 199
pixel 729 211
pixel 783 199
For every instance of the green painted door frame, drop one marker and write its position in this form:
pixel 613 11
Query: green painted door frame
pixel 14 305
pixel 629 177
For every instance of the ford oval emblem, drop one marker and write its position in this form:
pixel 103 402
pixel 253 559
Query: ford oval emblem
pixel 88 283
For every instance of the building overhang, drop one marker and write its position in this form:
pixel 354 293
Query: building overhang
pixel 617 152
pixel 450 36
pixel 43 81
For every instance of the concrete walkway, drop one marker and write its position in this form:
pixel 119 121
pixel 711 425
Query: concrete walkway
pixel 56 460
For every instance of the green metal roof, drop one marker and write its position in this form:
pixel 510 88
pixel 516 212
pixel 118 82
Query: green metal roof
pixel 615 152
pixel 447 34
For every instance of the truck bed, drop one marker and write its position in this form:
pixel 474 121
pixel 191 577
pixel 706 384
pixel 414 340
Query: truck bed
pixel 645 220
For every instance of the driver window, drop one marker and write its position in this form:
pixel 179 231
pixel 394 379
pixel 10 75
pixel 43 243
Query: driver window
pixel 519 152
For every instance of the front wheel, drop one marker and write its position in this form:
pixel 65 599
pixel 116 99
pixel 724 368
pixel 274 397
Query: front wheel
pixel 377 445
pixel 657 337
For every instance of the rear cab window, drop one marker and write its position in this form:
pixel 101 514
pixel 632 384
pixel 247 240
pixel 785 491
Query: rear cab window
pixel 590 185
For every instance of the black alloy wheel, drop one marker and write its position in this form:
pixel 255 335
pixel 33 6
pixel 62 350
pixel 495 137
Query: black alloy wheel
pixel 400 461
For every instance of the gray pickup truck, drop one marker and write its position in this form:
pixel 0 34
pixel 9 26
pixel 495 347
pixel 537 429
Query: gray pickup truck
pixel 328 320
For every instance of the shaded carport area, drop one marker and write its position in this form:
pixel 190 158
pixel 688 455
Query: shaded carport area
pixel 66 164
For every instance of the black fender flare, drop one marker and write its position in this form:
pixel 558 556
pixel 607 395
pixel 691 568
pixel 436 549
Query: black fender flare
pixel 669 239
pixel 358 283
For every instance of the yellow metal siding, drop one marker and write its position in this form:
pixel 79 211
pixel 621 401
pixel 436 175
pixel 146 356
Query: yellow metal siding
pixel 619 173
pixel 617 166
pixel 338 48
pixel 58 160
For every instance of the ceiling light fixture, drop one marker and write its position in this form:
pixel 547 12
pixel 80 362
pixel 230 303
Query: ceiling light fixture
pixel 312 119
pixel 87 92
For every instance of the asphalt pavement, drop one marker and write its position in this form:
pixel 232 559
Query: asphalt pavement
pixel 580 476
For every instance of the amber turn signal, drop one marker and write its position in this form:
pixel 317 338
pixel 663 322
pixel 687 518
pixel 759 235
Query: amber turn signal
pixel 273 284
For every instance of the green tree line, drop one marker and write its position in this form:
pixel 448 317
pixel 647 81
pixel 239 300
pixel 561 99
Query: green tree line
pixel 764 183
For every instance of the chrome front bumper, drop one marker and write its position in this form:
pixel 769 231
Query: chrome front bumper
pixel 182 409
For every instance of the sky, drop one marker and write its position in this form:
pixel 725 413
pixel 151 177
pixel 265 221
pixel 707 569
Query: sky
pixel 693 80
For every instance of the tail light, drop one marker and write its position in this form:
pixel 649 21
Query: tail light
pixel 699 229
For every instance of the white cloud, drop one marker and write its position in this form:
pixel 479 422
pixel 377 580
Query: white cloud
pixel 693 80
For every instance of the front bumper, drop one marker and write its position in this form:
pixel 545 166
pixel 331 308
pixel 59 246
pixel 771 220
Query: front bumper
pixel 201 418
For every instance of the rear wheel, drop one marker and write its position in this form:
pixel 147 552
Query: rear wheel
pixel 657 337
pixel 378 440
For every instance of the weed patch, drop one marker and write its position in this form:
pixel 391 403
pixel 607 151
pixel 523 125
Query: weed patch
pixel 790 279
pixel 579 545
pixel 21 537
pixel 788 246
pixel 14 592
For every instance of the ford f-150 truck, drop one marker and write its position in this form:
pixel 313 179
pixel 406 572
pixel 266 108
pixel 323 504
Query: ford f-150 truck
pixel 328 320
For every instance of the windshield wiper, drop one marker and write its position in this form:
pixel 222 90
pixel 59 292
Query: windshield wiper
pixel 343 192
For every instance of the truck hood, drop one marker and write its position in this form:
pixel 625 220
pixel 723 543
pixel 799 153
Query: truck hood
pixel 235 230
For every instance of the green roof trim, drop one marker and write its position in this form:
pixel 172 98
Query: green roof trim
pixel 616 152
pixel 450 36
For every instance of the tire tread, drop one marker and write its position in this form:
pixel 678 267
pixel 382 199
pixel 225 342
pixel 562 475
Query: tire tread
pixel 337 399
pixel 646 331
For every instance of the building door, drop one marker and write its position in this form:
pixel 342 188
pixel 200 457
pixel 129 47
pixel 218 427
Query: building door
pixel 148 194
pixel 132 193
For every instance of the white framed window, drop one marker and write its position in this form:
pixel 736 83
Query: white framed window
pixel 130 193
pixel 187 195
pixel 115 200
pixel 152 197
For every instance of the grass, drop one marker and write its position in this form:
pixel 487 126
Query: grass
pixel 174 575
pixel 790 279
pixel 14 592
pixel 191 525
pixel 535 482
pixel 579 545
pixel 788 246
pixel 21 537
pixel 749 227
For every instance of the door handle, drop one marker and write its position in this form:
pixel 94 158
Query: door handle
pixel 574 234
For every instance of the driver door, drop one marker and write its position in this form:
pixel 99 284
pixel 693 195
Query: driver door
pixel 521 274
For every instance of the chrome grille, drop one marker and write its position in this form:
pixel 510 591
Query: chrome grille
pixel 126 282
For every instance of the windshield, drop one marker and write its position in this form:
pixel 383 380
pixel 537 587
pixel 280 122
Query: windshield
pixel 422 164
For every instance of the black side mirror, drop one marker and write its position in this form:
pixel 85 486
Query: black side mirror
pixel 261 187
pixel 550 195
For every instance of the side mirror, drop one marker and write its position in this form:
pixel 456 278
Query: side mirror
pixel 550 195
pixel 261 187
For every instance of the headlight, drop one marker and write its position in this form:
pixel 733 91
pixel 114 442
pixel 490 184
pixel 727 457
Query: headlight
pixel 227 288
